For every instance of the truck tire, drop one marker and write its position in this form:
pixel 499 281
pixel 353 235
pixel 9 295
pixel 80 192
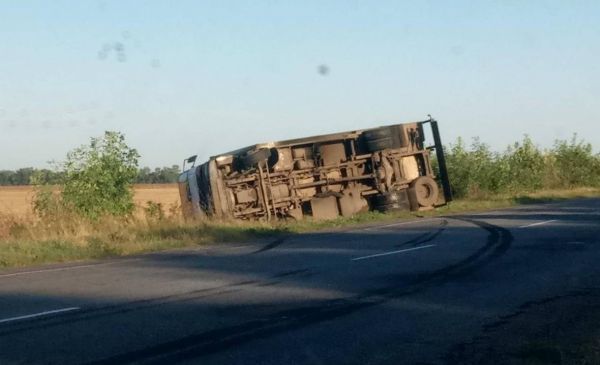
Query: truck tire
pixel 423 192
pixel 382 138
pixel 379 144
pixel 391 201
pixel 252 158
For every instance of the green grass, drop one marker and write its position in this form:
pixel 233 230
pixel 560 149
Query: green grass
pixel 30 243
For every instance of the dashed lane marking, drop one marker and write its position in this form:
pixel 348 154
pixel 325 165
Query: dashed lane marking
pixel 538 223
pixel 391 253
pixel 65 268
pixel 400 224
pixel 40 314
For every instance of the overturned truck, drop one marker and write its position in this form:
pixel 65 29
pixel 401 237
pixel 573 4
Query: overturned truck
pixel 386 168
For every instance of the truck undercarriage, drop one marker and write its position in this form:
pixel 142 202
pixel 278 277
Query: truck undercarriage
pixel 386 168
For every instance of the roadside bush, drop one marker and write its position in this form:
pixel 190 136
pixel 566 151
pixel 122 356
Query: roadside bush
pixel 97 181
pixel 477 172
pixel 524 167
pixel 575 164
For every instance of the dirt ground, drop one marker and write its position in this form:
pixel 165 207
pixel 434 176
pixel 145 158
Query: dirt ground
pixel 16 200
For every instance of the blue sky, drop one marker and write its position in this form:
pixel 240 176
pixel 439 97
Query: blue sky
pixel 186 77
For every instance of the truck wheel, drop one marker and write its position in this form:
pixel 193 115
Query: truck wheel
pixel 381 139
pixel 391 201
pixel 423 192
pixel 252 158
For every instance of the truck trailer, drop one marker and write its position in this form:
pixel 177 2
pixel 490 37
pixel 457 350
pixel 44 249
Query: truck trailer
pixel 386 169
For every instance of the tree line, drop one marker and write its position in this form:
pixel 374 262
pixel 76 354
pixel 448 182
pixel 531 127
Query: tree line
pixel 474 169
pixel 24 176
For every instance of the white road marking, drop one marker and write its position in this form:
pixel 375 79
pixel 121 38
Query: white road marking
pixel 391 252
pixel 66 268
pixel 399 224
pixel 39 314
pixel 538 223
pixel 575 243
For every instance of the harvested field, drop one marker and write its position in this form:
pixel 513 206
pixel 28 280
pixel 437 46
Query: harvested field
pixel 165 194
pixel 16 200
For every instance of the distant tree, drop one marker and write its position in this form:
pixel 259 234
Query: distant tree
pixel 23 176
pixel 6 177
pixel 160 175
pixel 143 176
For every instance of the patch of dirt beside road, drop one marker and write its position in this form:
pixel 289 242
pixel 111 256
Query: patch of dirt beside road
pixel 559 330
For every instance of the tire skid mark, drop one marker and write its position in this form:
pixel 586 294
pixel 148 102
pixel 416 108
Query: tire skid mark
pixel 108 310
pixel 202 344
pixel 290 273
pixel 270 245
pixel 498 242
pixel 425 237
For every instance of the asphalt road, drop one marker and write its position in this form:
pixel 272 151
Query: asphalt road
pixel 397 293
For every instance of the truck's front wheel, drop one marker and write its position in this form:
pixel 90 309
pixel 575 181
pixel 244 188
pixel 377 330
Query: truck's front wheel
pixel 423 192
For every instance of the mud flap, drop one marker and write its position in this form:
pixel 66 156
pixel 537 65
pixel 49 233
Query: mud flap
pixel 324 208
pixel 351 202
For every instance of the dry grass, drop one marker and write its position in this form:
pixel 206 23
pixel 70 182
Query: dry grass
pixel 25 240
pixel 69 238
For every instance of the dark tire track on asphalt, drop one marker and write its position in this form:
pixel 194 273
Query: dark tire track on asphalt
pixel 108 310
pixel 459 353
pixel 202 344
pixel 422 238
pixel 271 245
pixel 425 237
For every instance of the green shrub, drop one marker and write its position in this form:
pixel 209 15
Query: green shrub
pixel 99 177
pixel 525 167
pixel 575 164
pixel 477 172
pixel 97 181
